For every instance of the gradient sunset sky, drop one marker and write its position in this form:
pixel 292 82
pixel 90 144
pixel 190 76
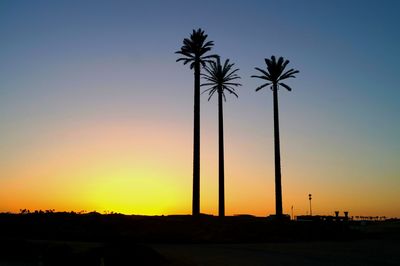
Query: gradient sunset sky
pixel 95 114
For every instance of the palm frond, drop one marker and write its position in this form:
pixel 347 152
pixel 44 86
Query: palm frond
pixel 280 61
pixel 212 80
pixel 232 91
pixel 260 77
pixel 215 88
pixel 184 52
pixel 206 84
pixel 266 74
pixel 232 84
pixel 285 64
pixel 211 94
pixel 232 75
pixel 213 56
pixel 285 86
pixel 289 74
pixel 208 90
pixel 262 86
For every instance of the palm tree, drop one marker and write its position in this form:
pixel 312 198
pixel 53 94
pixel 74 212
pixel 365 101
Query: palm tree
pixel 220 79
pixel 193 50
pixel 274 75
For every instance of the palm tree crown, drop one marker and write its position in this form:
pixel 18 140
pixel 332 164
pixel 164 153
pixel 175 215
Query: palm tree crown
pixel 274 74
pixel 220 77
pixel 194 48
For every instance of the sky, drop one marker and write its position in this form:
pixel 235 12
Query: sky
pixel 96 115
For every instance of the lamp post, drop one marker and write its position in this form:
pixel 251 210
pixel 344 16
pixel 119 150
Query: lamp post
pixel 309 197
pixel 292 213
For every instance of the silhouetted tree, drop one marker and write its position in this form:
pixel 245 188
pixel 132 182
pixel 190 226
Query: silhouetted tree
pixel 220 79
pixel 273 75
pixel 193 50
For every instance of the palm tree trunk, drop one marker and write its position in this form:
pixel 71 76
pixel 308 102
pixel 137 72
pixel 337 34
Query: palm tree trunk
pixel 221 209
pixel 196 142
pixel 278 185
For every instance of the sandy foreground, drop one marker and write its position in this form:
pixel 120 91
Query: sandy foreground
pixel 361 252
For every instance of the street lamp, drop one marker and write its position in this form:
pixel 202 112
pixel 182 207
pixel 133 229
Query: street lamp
pixel 309 197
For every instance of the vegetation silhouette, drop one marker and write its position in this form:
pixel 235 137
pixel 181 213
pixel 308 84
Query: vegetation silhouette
pixel 220 78
pixel 193 51
pixel 274 75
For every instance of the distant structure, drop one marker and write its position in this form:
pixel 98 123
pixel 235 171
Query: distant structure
pixel 328 218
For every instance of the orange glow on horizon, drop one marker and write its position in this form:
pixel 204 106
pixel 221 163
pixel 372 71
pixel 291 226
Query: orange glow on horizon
pixel 147 169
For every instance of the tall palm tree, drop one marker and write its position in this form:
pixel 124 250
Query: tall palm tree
pixel 220 79
pixel 274 75
pixel 193 51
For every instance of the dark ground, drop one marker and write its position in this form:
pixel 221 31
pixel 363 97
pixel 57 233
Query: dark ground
pixel 94 239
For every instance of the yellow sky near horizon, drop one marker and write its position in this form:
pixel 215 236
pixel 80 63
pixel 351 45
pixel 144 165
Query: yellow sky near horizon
pixel 146 169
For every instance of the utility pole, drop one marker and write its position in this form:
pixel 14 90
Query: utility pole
pixel 309 197
pixel 292 213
